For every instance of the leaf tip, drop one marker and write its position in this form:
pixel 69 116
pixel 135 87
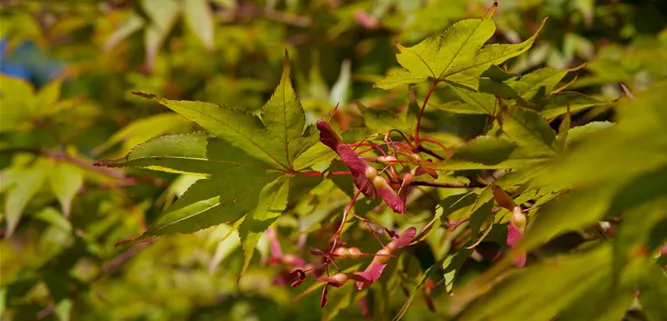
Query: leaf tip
pixel 492 10
pixel 135 240
pixel 144 95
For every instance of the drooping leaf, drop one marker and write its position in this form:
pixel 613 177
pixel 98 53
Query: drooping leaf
pixel 65 179
pixel 132 24
pixel 18 196
pixel 272 202
pixel 200 19
pixel 162 15
pixel 340 91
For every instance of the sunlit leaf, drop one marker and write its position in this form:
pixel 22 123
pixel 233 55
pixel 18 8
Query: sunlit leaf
pixel 528 129
pixel 163 15
pixel 65 179
pixel 200 19
pixel 456 55
pixel 18 196
pixel 272 202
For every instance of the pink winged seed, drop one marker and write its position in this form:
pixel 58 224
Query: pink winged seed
pixel 514 236
pixel 392 199
pixel 358 168
pixel 357 165
pixel 374 270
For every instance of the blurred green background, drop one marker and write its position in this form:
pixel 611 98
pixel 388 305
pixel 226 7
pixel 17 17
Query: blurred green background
pixel 68 68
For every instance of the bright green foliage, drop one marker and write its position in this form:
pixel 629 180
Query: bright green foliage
pixel 455 56
pixel 238 181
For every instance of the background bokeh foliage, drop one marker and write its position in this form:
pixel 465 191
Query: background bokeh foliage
pixel 597 219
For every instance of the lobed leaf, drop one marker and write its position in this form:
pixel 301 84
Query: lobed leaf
pixel 456 55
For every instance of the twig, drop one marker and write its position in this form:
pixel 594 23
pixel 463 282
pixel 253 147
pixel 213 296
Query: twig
pixel 436 184
pixel 421 113
pixel 247 11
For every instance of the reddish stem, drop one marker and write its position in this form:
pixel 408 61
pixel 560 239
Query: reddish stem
pixel 323 174
pixel 436 184
pixel 375 146
pixel 439 144
pixel 342 223
pixel 421 113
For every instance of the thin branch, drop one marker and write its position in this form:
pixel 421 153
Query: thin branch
pixel 421 112
pixel 248 11
pixel 436 184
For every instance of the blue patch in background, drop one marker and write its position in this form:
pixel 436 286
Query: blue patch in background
pixel 27 61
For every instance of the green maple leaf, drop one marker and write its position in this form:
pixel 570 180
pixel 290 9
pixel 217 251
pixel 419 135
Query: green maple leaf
pixel 458 55
pixel 248 163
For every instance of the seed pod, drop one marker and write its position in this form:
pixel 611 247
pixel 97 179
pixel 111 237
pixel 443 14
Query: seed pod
pixel 518 218
pixel 354 252
pixel 371 172
pixel 341 252
pixel 383 255
pixel 388 160
pixel 339 278
pixel 379 182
